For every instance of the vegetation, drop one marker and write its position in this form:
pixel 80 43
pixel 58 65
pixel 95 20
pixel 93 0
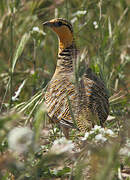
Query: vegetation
pixel 27 62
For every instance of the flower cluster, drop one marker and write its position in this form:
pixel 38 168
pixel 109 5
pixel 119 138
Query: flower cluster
pixel 37 34
pixel 62 145
pixel 21 139
pixel 98 134
pixel 125 150
pixel 95 24
pixel 77 15
pixel 80 13
pixel 37 30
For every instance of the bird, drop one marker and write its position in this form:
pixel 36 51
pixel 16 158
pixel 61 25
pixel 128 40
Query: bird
pixel 72 103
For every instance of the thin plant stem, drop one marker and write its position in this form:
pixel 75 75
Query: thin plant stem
pixel 5 95
pixel 11 55
pixel 67 12
pixel 34 64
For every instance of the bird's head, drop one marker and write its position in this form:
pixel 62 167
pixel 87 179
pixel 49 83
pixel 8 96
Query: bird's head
pixel 64 31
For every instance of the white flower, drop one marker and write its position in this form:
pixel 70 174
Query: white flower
pixel 20 139
pixel 109 132
pixel 74 20
pixel 55 129
pixel 91 132
pixel 80 13
pixel 36 29
pixel 100 137
pixel 102 130
pixel 62 145
pixel 125 151
pixel 96 127
pixel 85 136
pixel 98 133
pixel 95 24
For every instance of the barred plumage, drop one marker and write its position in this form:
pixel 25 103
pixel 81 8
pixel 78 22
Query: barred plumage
pixel 88 100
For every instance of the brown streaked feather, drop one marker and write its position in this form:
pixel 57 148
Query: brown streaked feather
pixel 89 101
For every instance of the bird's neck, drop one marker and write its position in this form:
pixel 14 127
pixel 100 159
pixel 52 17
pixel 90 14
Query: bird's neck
pixel 66 57
pixel 66 39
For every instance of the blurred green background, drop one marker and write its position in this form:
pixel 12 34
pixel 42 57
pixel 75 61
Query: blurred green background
pixel 28 56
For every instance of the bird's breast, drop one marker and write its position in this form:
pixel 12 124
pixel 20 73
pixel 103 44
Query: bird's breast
pixel 59 92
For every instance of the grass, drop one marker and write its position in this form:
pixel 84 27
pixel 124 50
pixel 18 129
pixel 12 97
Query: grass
pixel 27 63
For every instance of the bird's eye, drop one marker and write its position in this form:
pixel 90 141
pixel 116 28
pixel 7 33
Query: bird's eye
pixel 57 24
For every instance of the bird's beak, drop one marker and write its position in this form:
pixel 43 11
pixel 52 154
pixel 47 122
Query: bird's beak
pixel 48 24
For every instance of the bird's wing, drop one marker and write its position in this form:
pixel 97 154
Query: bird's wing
pixel 97 95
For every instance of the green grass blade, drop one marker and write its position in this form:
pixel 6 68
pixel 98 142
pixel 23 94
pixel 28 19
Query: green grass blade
pixel 30 102
pixel 39 120
pixel 19 49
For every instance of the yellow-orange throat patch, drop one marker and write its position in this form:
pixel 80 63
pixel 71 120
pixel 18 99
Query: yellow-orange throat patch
pixel 65 37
